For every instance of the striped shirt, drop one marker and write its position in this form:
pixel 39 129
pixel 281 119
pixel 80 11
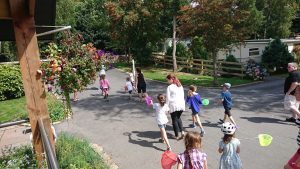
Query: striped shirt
pixel 298 124
pixel 197 158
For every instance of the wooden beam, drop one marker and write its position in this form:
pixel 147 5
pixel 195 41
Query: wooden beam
pixel 28 53
pixel 4 10
pixel 31 7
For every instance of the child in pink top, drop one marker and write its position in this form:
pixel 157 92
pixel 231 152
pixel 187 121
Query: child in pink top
pixel 104 86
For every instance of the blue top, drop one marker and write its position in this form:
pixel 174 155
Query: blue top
pixel 194 102
pixel 226 97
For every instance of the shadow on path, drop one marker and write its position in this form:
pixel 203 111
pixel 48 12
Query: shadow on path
pixel 266 120
pixel 135 137
pixel 207 123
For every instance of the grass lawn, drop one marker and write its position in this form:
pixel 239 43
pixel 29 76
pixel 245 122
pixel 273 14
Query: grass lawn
pixel 15 109
pixel 160 74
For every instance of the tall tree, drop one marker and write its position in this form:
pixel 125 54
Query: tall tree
pixel 219 22
pixel 176 5
pixel 136 25
pixel 92 22
pixel 278 17
pixel 65 12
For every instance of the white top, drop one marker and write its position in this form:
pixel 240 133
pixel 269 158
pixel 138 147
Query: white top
pixel 102 72
pixel 175 98
pixel 129 85
pixel 161 113
pixel 131 77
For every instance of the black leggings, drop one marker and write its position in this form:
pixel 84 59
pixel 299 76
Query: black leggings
pixel 176 122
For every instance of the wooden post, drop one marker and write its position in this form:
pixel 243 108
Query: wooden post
pixel 28 53
pixel 202 68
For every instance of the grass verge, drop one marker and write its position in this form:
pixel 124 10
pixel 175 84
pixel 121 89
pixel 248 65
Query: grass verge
pixel 18 157
pixel 71 152
pixel 160 74
pixel 15 109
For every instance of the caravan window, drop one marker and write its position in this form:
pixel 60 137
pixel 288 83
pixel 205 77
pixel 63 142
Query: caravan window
pixel 253 51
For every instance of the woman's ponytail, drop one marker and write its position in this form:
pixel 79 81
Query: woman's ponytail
pixel 174 79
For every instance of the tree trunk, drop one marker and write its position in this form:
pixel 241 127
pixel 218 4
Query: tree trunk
pixel 174 44
pixel 214 55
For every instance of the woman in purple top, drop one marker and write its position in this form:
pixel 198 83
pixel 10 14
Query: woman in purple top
pixel 194 101
pixel 192 157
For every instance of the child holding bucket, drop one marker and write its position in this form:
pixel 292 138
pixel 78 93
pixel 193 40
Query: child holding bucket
pixel 192 157
pixel 230 148
pixel 161 110
pixel 194 101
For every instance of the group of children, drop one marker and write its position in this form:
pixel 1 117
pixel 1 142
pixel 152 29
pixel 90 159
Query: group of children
pixel 193 157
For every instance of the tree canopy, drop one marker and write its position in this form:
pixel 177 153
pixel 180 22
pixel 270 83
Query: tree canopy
pixel 220 22
pixel 276 55
pixel 137 25
pixel 278 17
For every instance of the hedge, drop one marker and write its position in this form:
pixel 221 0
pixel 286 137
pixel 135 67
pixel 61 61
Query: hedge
pixel 11 85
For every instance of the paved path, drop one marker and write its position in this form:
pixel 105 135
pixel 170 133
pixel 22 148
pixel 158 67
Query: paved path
pixel 13 136
pixel 128 132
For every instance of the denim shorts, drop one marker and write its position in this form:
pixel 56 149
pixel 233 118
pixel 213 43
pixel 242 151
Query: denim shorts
pixel 162 126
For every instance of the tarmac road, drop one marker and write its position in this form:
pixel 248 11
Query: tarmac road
pixel 127 130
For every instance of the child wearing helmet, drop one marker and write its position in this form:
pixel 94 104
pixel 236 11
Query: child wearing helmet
pixel 229 147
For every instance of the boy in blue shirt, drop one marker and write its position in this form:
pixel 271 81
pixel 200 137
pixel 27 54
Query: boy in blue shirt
pixel 227 103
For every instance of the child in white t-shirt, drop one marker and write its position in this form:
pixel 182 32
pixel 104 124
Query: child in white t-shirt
pixel 161 110
pixel 128 87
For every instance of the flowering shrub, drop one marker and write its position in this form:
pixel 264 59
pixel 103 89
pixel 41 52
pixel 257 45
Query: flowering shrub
pixel 255 71
pixel 106 58
pixel 72 64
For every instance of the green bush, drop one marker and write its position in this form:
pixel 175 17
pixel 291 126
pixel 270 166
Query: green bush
pixel 74 152
pixel 231 58
pixel 181 51
pixel 71 153
pixel 197 48
pixel 276 55
pixel 56 108
pixel 11 85
pixel 20 157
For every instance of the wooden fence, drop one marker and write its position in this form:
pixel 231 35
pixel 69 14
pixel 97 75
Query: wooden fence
pixel 204 67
